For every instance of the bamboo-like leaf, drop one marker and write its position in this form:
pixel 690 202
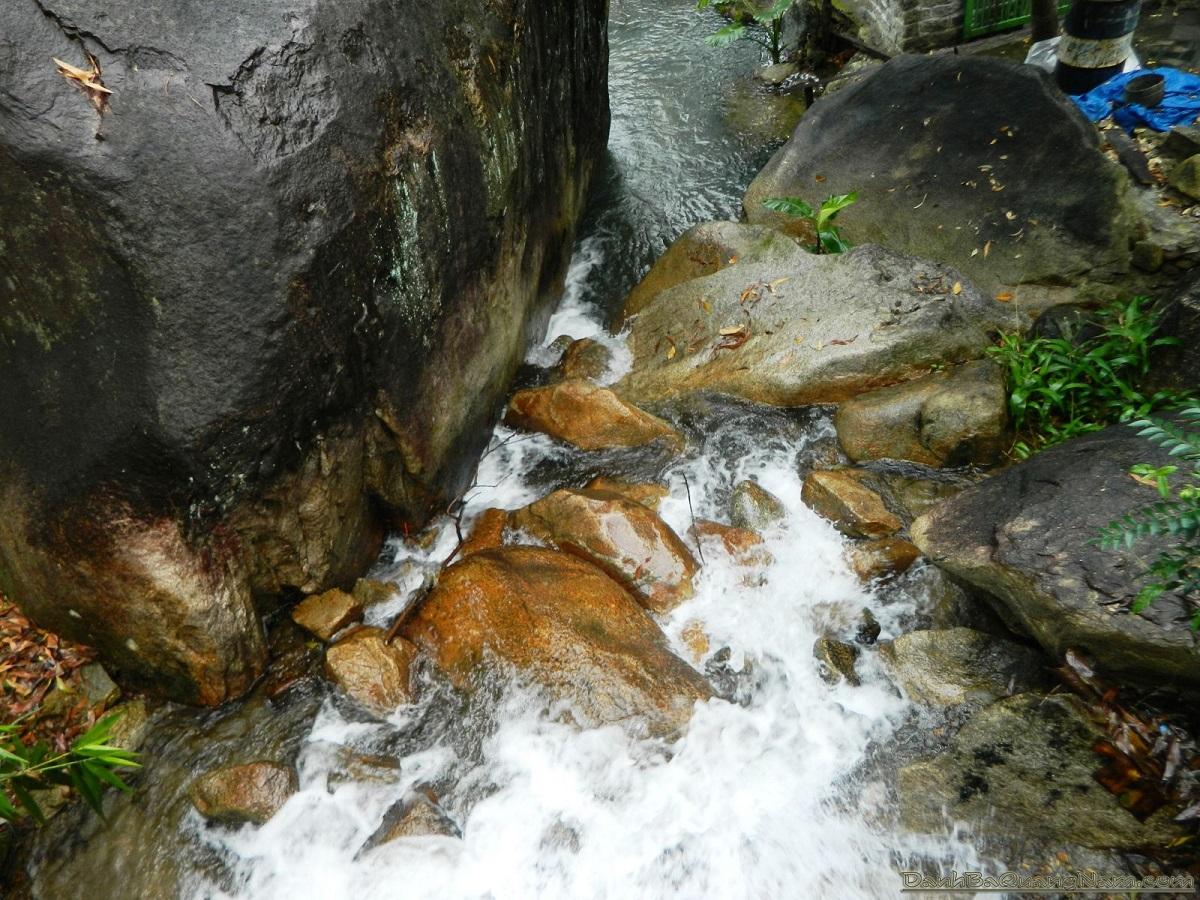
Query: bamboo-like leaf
pixel 792 206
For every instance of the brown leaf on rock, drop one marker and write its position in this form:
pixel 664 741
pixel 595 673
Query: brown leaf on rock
pixel 88 79
pixel 1145 754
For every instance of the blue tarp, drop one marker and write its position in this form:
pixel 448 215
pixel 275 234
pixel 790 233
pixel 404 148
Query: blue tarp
pixel 1181 105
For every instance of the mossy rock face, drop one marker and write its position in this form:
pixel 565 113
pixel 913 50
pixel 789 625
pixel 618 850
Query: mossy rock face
pixel 1025 539
pixel 1027 761
pixel 271 289
pixel 970 161
pixel 961 667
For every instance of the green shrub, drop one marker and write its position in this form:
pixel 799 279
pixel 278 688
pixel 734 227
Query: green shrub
pixel 828 238
pixel 87 766
pixel 752 21
pixel 1061 388
pixel 1176 513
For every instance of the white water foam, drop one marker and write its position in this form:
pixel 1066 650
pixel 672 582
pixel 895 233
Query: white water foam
pixel 761 800
pixel 577 317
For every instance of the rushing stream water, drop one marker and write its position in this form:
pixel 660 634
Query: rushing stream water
pixel 783 794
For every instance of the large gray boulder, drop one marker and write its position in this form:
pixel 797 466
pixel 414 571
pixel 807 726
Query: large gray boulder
pixel 1025 538
pixel 265 294
pixel 790 328
pixel 972 161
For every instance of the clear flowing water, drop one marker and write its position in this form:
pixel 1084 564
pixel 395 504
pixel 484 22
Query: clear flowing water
pixel 784 793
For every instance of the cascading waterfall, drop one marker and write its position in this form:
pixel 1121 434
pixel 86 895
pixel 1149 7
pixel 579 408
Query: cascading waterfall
pixel 778 795
pixel 783 792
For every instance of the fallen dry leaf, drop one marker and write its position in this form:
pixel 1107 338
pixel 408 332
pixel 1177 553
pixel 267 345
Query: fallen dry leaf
pixel 88 79
pixel 957 288
pixel 1004 297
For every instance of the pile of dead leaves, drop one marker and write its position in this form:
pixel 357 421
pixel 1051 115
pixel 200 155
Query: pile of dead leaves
pixel 1151 761
pixel 32 663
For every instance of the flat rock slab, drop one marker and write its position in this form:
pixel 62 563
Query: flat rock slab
pixel 705 249
pixel 1024 537
pixel 795 328
pixel 565 625
pixel 976 162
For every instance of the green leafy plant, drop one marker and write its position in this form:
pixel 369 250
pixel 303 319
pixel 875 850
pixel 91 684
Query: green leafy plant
pixel 753 21
pixel 1176 513
pixel 828 238
pixel 87 766
pixel 1061 388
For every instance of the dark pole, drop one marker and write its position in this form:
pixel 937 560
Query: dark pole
pixel 1045 20
pixel 1097 39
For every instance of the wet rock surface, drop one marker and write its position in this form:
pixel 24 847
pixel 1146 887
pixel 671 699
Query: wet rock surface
pixel 881 558
pixel 565 625
pixel 954 417
pixel 958 666
pixel 245 312
pixel 324 615
pixel 1026 761
pixel 588 416
pixel 837 660
pixel 793 328
pixel 852 507
pixel 415 816
pixel 705 250
pixel 947 153
pixel 1024 538
pixel 743 544
pixel 252 792
pixel 487 532
pixel 373 672
pixel 624 538
pixel 649 495
pixel 753 507
pixel 584 359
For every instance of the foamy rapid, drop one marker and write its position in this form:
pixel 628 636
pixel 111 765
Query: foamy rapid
pixel 763 799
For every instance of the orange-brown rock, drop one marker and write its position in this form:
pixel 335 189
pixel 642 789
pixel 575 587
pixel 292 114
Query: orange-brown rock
pixel 565 625
pixel 742 544
pixel 649 495
pixel 853 508
pixel 695 638
pixel 588 416
pixel 624 538
pixel 324 615
pixel 882 557
pixel 371 671
pixel 585 358
pixel 488 532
